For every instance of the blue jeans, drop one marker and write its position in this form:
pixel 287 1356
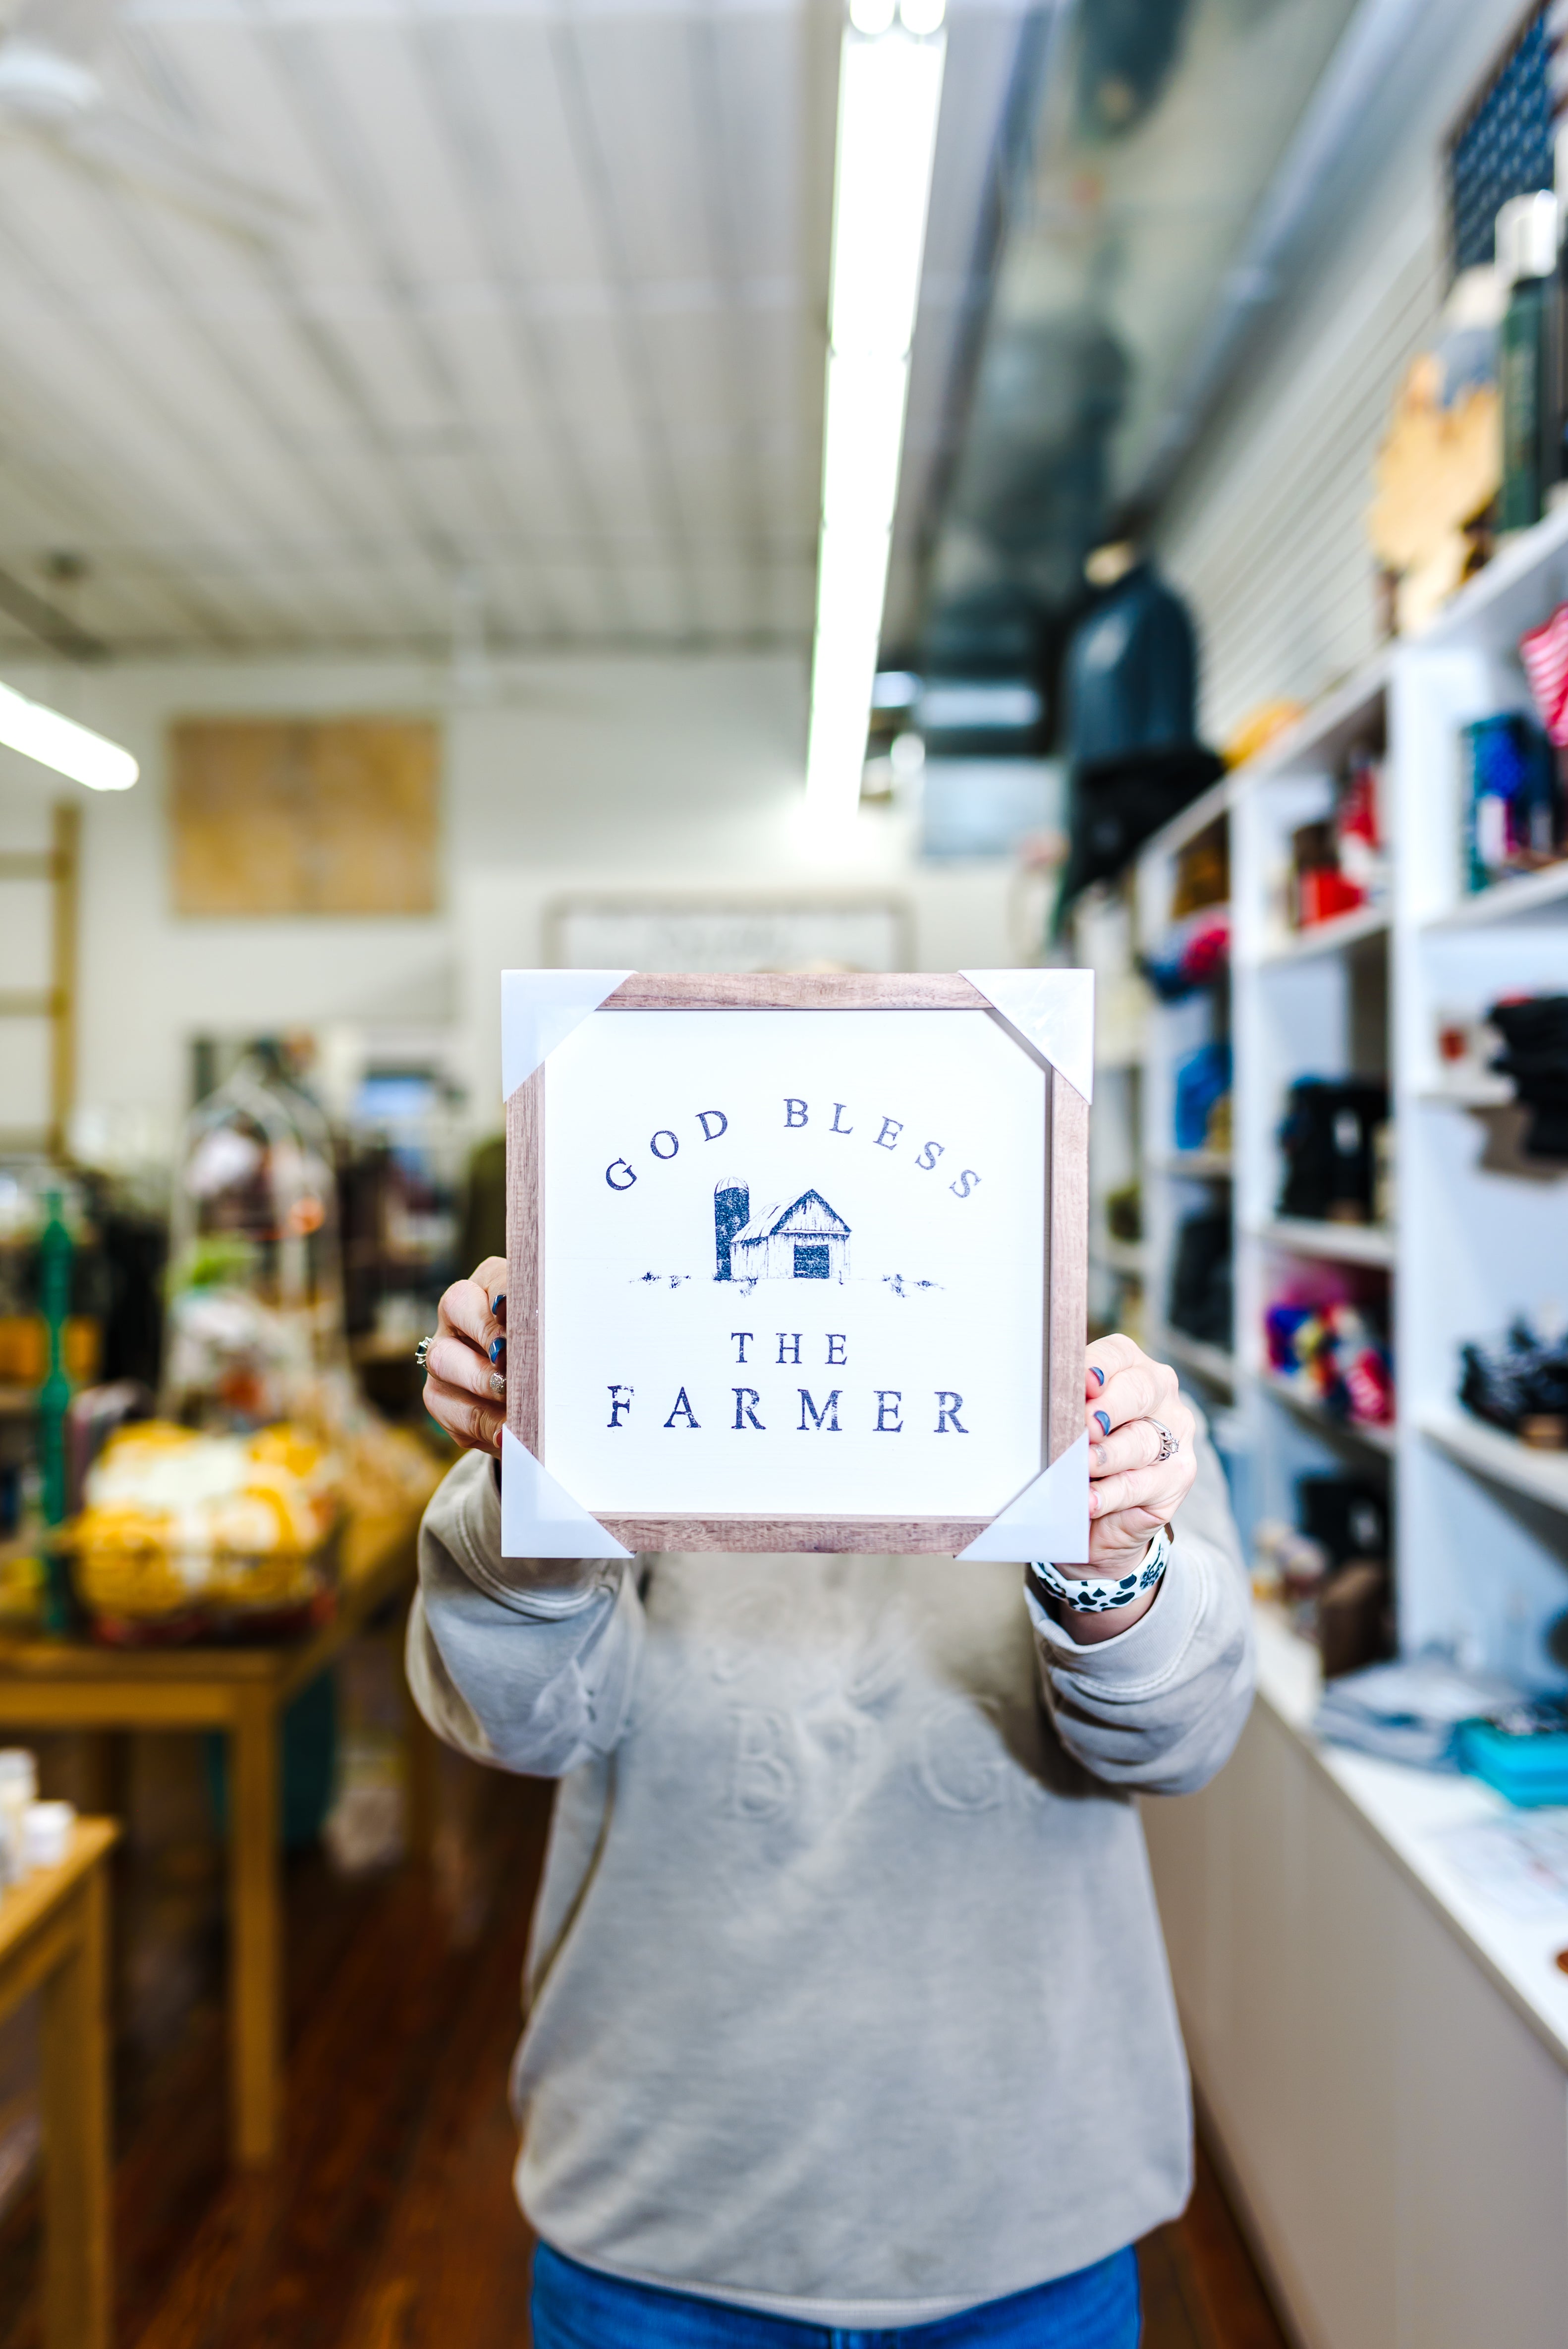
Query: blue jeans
pixel 577 2308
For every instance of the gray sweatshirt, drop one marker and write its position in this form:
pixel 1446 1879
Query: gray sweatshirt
pixel 847 1999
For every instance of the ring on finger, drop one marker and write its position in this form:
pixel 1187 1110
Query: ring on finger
pixel 422 1353
pixel 1169 1441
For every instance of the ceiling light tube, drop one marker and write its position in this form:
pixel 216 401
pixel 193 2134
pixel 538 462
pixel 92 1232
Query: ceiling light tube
pixel 890 91
pixel 59 742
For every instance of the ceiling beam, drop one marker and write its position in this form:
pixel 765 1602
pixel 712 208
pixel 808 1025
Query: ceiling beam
pixel 49 623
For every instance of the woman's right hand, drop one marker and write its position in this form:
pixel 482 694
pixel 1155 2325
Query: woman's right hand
pixel 465 1369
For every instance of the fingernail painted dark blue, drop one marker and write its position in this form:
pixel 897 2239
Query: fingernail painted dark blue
pixel 498 1348
pixel 1104 1419
pixel 1099 1373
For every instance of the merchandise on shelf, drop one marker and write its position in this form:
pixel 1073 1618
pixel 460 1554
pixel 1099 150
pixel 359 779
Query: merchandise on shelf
pixel 1521 1751
pixel 1333 1571
pixel 1194 953
pixel 1535 1031
pixel 1543 652
pixel 33 1835
pixel 1465 1047
pixel 1337 1356
pixel 400 1181
pixel 1328 1142
pixel 255 1301
pixel 1202 1084
pixel 1124 1213
pixel 1411 1711
pixel 1337 864
pixel 1526 250
pixel 1515 815
pixel 187 1527
pixel 27 1187
pixel 1440 464
pixel 1520 1385
pixel 1201 1293
pixel 1201 876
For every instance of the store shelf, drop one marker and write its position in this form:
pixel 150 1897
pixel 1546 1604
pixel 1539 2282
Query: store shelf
pixel 1520 899
pixel 1542 1474
pixel 1339 1243
pixel 1129 1256
pixel 1328 937
pixel 1213 1164
pixel 1497 1093
pixel 1333 726
pixel 1212 1363
pixel 1307 1407
pixel 1507 578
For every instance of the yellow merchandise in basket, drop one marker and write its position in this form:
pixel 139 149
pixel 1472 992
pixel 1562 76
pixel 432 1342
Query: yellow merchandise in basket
pixel 178 1521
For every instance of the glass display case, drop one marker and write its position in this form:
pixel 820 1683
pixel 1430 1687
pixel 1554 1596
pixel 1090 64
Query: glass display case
pixel 255 1317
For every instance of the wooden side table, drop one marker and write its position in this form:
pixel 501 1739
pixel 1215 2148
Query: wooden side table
pixel 52 1940
pixel 241 1691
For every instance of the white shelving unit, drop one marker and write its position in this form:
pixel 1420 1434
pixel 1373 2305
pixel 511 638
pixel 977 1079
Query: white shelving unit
pixel 1177 1183
pixel 1362 1979
pixel 1480 1521
pixel 1102 940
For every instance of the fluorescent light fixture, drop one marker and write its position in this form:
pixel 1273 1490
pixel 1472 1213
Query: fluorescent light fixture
pixel 890 91
pixel 59 742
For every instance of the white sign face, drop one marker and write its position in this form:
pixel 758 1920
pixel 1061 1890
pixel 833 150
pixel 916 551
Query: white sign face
pixel 794 1263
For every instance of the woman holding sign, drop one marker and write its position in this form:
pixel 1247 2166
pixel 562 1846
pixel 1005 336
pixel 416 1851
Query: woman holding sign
pixel 848 2009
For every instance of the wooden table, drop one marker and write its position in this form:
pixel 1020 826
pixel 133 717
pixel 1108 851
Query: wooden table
pixel 52 1939
pixel 68 1684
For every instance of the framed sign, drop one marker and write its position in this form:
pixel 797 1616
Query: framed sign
pixel 795 1263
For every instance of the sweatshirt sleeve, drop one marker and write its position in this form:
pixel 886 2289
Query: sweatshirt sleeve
pixel 525 1663
pixel 1159 1707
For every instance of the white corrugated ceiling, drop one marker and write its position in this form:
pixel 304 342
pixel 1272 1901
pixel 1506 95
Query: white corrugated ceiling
pixel 543 340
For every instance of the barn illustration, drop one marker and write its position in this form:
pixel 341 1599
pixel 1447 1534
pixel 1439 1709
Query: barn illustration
pixel 807 1240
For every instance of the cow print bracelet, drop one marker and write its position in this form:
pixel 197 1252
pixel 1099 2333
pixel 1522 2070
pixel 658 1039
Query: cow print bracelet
pixel 1086 1596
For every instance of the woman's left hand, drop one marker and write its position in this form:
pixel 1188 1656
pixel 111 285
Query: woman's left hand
pixel 1132 1493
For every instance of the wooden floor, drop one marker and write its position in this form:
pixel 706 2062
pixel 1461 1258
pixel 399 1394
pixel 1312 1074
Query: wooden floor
pixel 390 2223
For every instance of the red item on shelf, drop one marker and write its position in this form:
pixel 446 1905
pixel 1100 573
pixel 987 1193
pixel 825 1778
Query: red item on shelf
pixel 1324 894
pixel 1544 653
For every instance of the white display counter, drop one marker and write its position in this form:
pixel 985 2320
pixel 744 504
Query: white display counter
pixel 1380 2054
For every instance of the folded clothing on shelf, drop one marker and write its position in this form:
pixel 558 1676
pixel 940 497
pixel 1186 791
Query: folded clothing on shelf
pixel 1337 1355
pixel 1520 1386
pixel 1327 1139
pixel 1412 1710
pixel 1199 1301
pixel 1195 952
pixel 1534 1031
pixel 1202 1080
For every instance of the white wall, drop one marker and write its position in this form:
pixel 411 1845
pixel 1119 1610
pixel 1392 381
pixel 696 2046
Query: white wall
pixel 628 772
pixel 1263 532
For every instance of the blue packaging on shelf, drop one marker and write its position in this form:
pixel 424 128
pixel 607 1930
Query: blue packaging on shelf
pixel 1203 1078
pixel 1523 1753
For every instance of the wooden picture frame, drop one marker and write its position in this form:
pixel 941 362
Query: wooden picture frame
pixel 1064 1236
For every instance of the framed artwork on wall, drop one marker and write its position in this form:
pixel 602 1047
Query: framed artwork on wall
pixel 668 930
pixel 305 815
pixel 795 1263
